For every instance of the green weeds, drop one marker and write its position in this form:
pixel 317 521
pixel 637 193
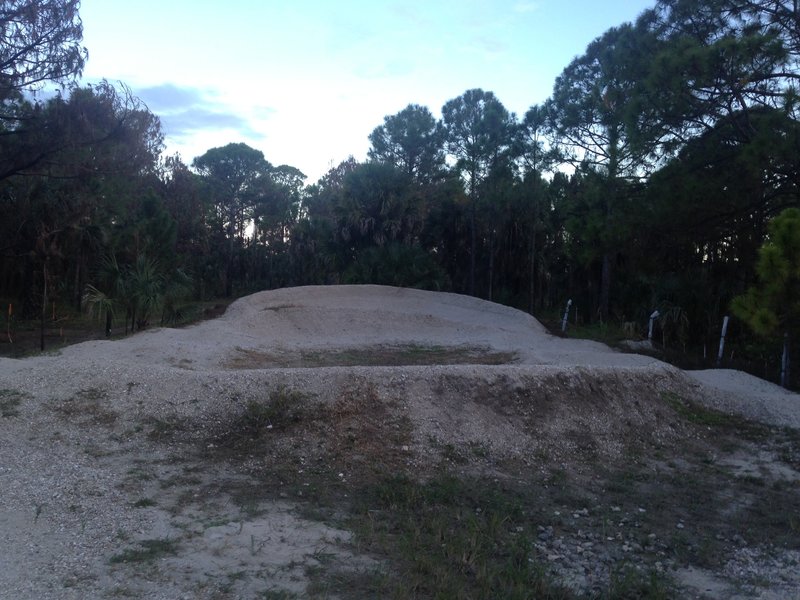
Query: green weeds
pixel 702 416
pixel 449 530
pixel 389 356
pixel 408 355
pixel 697 414
pixel 148 551
pixel 632 584
pixel 283 409
pixel 10 401
pixel 144 503
pixel 89 405
pixel 279 595
pixel 450 538
pixel 161 430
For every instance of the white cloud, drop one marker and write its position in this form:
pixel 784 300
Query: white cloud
pixel 526 7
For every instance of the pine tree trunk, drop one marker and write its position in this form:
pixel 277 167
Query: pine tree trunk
pixel 785 364
pixel 613 166
pixel 78 282
pixel 532 273
pixel 44 305
pixel 473 236
pixel 472 248
pixel 605 286
pixel 231 245
pixel 491 264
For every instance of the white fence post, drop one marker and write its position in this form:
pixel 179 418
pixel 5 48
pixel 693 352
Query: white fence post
pixel 653 317
pixel 566 316
pixel 722 341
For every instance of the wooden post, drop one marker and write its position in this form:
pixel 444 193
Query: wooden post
pixel 722 340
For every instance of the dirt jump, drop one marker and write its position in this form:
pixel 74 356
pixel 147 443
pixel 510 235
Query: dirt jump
pixel 188 463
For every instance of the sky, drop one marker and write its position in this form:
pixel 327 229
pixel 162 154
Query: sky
pixel 306 81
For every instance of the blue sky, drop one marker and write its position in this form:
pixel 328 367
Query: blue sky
pixel 306 81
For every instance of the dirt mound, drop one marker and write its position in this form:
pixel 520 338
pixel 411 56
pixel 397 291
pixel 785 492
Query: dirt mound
pixel 161 443
pixel 461 364
pixel 345 318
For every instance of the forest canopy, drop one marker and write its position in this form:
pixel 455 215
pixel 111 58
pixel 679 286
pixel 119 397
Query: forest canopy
pixel 647 180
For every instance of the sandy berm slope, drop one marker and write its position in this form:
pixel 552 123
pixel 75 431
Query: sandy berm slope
pixel 80 447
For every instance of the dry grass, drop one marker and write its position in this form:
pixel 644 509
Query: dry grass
pixel 88 406
pixel 448 528
pixel 10 401
pixel 371 356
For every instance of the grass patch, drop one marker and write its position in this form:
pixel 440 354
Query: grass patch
pixel 144 503
pixel 632 584
pixel 279 307
pixel 90 405
pixel 149 551
pixel 375 356
pixel 609 333
pixel 357 434
pixel 480 525
pixel 249 500
pixel 279 594
pixel 698 414
pixel 774 518
pixel 408 355
pixel 450 538
pixel 10 401
pixel 458 536
pixel 282 409
pixel 264 421
pixel 161 430
pixel 189 313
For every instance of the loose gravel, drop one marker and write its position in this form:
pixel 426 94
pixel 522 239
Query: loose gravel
pixel 90 473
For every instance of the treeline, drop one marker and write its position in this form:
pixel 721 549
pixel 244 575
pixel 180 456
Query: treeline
pixel 648 180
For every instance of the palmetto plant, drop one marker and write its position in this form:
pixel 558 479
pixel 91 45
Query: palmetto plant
pixel 108 298
pixel 177 289
pixel 98 303
pixel 675 325
pixel 144 284
pixel 138 289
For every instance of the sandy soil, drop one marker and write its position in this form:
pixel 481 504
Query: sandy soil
pixel 86 481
